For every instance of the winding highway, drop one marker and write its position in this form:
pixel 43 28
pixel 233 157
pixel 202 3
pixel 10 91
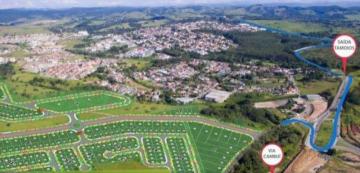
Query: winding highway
pixel 337 106
pixel 339 100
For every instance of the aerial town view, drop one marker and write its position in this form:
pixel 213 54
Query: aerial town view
pixel 161 86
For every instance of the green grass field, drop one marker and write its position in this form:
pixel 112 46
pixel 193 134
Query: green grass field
pixel 153 23
pixel 316 87
pixel 83 102
pixel 23 29
pixel 292 26
pixel 140 64
pixel 215 146
pixel 323 135
pixel 126 167
pixel 34 124
pixel 137 108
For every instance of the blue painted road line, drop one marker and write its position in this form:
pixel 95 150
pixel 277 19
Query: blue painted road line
pixel 325 43
pixel 336 123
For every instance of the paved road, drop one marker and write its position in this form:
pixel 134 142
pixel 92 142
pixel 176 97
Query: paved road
pixel 252 133
pixel 335 132
pixel 337 104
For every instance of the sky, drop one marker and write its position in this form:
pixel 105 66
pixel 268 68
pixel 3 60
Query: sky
pixel 5 4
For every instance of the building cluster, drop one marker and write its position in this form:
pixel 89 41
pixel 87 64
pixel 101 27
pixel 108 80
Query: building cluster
pixel 40 63
pixel 104 43
pixel 6 49
pixel 72 71
pixel 146 41
pixel 4 60
pixel 187 79
pixel 180 78
pixel 196 78
pixel 48 56
pixel 212 25
pixel 139 52
pixel 163 37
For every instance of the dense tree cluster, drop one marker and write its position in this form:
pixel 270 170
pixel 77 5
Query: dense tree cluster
pixel 251 161
pixel 6 70
pixel 240 107
pixel 354 96
pixel 262 46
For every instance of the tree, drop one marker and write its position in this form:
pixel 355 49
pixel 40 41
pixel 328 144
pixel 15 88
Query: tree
pixel 354 96
pixel 6 70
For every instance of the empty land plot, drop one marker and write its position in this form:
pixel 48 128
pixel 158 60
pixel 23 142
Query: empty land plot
pixel 11 112
pixel 216 147
pixel 179 155
pixel 18 161
pixel 123 127
pixel 38 141
pixel 84 102
pixel 68 160
pixel 119 150
pixel 137 108
pixel 184 110
pixel 154 150
pixel 40 170
pixel 293 26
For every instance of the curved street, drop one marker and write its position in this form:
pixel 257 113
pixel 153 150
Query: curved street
pixel 254 134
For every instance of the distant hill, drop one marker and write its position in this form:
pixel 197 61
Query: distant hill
pixel 12 16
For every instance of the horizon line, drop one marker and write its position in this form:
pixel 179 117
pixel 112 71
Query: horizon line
pixel 239 4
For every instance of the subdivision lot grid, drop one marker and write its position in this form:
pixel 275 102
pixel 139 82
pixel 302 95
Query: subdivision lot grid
pixel 67 159
pixel 119 150
pixel 123 127
pixel 23 160
pixel 179 155
pixel 215 147
pixel 154 150
pixel 84 102
pixel 37 142
pixel 12 112
pixel 203 148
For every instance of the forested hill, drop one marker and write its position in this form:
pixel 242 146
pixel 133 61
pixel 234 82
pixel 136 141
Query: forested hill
pixel 327 13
